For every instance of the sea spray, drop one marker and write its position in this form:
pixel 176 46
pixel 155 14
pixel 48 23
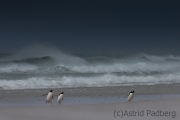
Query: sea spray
pixel 51 68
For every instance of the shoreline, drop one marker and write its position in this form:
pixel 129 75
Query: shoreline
pixel 173 88
pixel 89 95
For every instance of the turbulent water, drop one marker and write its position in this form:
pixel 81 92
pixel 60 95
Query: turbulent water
pixel 49 68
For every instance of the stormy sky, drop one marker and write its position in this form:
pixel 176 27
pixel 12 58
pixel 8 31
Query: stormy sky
pixel 92 26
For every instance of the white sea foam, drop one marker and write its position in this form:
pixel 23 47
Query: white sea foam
pixel 47 67
pixel 103 80
pixel 140 67
pixel 127 67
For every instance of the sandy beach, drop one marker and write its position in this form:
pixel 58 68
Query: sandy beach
pixel 152 102
pixel 144 110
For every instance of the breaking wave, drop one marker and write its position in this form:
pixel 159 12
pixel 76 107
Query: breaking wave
pixel 45 67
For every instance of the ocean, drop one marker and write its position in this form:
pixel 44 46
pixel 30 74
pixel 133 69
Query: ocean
pixel 51 68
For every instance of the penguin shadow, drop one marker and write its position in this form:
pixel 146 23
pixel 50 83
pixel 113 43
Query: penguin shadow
pixel 50 104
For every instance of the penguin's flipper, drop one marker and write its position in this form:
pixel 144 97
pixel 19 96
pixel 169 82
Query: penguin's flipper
pixel 126 96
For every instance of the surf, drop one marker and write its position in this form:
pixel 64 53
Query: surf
pixel 47 67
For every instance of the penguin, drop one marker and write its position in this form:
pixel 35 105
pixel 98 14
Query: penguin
pixel 60 97
pixel 130 96
pixel 49 96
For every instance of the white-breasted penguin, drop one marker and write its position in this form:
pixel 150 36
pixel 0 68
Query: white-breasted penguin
pixel 60 97
pixel 49 96
pixel 130 96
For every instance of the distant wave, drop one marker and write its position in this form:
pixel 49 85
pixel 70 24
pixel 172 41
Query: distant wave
pixel 159 58
pixel 31 60
pixel 49 64
pixel 34 60
pixel 46 67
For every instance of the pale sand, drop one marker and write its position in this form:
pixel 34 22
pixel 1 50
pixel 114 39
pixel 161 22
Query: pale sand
pixel 95 111
pixel 103 103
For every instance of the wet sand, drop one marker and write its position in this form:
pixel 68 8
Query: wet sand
pixel 153 102
pixel 141 110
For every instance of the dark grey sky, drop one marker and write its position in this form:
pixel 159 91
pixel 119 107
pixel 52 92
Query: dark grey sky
pixel 92 26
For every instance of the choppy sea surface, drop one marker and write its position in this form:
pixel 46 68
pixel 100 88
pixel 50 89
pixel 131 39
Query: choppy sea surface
pixel 50 68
